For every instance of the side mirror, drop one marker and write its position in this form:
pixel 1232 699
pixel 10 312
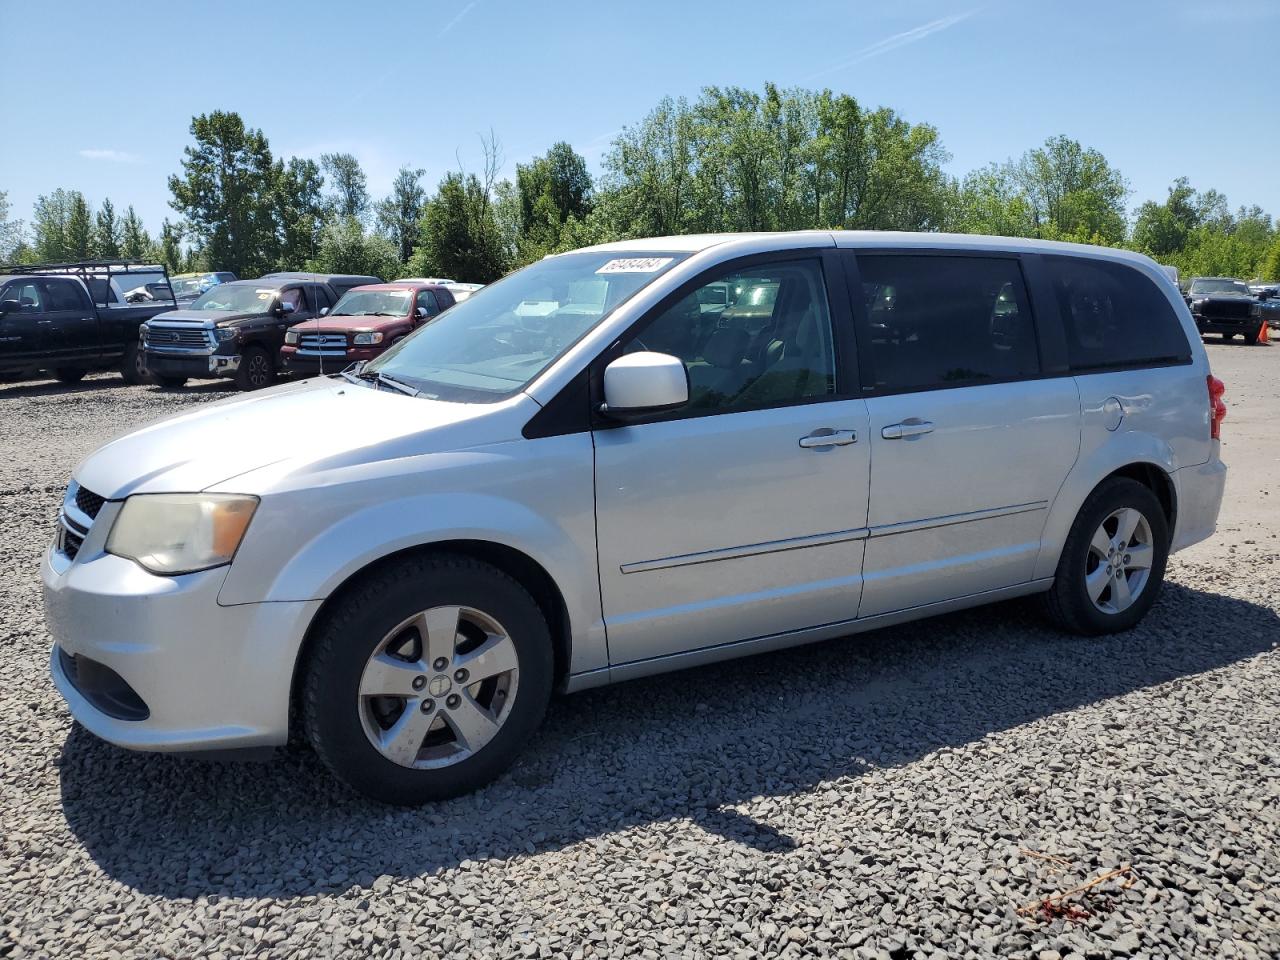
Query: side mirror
pixel 642 384
pixel 9 306
pixel 421 313
pixel 285 308
pixel 324 311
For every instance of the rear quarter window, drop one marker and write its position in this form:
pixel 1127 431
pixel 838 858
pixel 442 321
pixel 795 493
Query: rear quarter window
pixel 1114 316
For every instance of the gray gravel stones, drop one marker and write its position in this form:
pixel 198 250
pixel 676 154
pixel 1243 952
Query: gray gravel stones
pixel 873 797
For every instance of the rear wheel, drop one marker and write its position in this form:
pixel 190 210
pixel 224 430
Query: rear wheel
pixel 426 680
pixel 1113 562
pixel 257 370
pixel 133 365
pixel 69 374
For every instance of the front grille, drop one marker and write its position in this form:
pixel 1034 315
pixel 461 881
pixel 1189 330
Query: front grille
pixel 323 344
pixel 70 543
pixel 89 502
pixel 1225 310
pixel 177 337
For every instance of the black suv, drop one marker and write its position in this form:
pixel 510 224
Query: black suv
pixel 237 329
pixel 70 318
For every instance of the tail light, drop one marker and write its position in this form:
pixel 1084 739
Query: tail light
pixel 1217 409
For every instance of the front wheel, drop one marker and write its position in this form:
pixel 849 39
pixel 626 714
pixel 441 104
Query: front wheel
pixel 133 365
pixel 425 681
pixel 1113 562
pixel 257 370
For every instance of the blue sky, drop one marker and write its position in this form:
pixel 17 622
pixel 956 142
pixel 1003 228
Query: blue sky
pixel 1162 88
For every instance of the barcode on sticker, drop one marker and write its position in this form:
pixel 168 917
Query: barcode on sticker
pixel 635 265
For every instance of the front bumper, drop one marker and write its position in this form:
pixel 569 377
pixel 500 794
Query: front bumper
pixel 1246 326
pixel 211 677
pixel 296 363
pixel 197 366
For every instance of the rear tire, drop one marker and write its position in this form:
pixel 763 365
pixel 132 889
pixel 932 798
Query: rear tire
pixel 133 365
pixel 412 746
pixel 257 369
pixel 1086 597
pixel 69 374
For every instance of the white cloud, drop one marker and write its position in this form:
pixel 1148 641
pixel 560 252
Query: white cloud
pixel 113 156
pixel 906 37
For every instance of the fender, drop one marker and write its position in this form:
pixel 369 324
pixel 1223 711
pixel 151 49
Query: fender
pixel 1120 449
pixel 355 520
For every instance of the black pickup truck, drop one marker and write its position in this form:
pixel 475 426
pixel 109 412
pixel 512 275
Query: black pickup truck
pixel 236 329
pixel 1226 306
pixel 70 318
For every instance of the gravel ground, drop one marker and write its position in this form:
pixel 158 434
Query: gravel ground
pixel 897 794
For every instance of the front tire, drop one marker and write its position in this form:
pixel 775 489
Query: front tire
pixel 133 365
pixel 426 680
pixel 257 369
pixel 1113 561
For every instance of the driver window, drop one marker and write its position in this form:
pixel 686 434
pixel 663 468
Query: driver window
pixel 427 300
pixel 28 295
pixel 754 338
pixel 296 297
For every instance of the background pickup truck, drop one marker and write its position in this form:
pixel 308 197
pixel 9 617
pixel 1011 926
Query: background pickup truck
pixel 70 318
pixel 1224 305
pixel 236 329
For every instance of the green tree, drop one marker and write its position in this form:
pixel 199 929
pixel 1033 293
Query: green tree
pixel 345 247
pixel 299 210
pixel 12 233
pixel 168 248
pixel 225 194
pixel 349 193
pixel 49 225
pixel 400 214
pixel 459 236
pixel 107 235
pixel 1072 191
pixel 134 242
pixel 79 230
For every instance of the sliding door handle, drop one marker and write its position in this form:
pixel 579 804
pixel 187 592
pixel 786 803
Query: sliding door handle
pixel 911 427
pixel 826 437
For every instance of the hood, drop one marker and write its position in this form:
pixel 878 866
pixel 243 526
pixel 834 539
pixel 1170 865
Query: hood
pixel 1231 295
pixel 201 316
pixel 353 322
pixel 313 426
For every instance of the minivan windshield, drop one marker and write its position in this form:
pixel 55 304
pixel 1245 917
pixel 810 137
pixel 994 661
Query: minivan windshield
pixel 373 303
pixel 1219 286
pixel 235 298
pixel 497 340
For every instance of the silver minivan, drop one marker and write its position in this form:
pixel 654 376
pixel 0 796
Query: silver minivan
pixel 628 459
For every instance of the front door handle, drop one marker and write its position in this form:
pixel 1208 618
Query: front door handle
pixel 826 437
pixel 911 427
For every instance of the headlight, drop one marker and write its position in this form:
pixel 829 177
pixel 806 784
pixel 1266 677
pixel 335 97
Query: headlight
pixel 291 336
pixel 171 533
pixel 367 337
pixel 227 333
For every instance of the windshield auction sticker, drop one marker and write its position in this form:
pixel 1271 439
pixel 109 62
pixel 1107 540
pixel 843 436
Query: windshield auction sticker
pixel 636 265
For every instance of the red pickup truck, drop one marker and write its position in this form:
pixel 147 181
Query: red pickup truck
pixel 363 323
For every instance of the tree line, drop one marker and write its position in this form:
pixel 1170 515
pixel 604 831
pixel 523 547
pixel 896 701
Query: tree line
pixel 732 159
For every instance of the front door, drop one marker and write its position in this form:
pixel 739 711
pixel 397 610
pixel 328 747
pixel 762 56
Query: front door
pixel 72 324
pixel 969 443
pixel 742 515
pixel 25 330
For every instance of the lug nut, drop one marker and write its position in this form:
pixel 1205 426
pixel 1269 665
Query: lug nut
pixel 453 701
pixel 419 682
pixel 461 676
pixel 428 706
pixel 440 663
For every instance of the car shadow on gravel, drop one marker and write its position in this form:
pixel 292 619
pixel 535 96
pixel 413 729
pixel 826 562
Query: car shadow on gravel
pixel 52 388
pixel 692 745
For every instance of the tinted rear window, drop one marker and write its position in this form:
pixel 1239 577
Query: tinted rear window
pixel 943 321
pixel 1114 316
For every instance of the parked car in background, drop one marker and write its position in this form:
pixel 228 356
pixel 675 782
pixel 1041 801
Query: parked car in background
pixel 460 291
pixel 1224 305
pixel 1268 295
pixel 71 318
pixel 188 286
pixel 402 563
pixel 364 323
pixel 236 329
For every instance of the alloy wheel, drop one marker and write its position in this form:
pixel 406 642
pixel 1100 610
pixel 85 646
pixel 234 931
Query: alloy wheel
pixel 438 687
pixel 259 370
pixel 1119 562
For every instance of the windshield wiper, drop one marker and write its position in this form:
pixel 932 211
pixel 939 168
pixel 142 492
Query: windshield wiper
pixel 358 373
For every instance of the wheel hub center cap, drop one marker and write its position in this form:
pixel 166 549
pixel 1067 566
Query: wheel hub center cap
pixel 440 685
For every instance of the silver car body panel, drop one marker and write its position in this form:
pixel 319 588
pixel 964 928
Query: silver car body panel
pixel 672 543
